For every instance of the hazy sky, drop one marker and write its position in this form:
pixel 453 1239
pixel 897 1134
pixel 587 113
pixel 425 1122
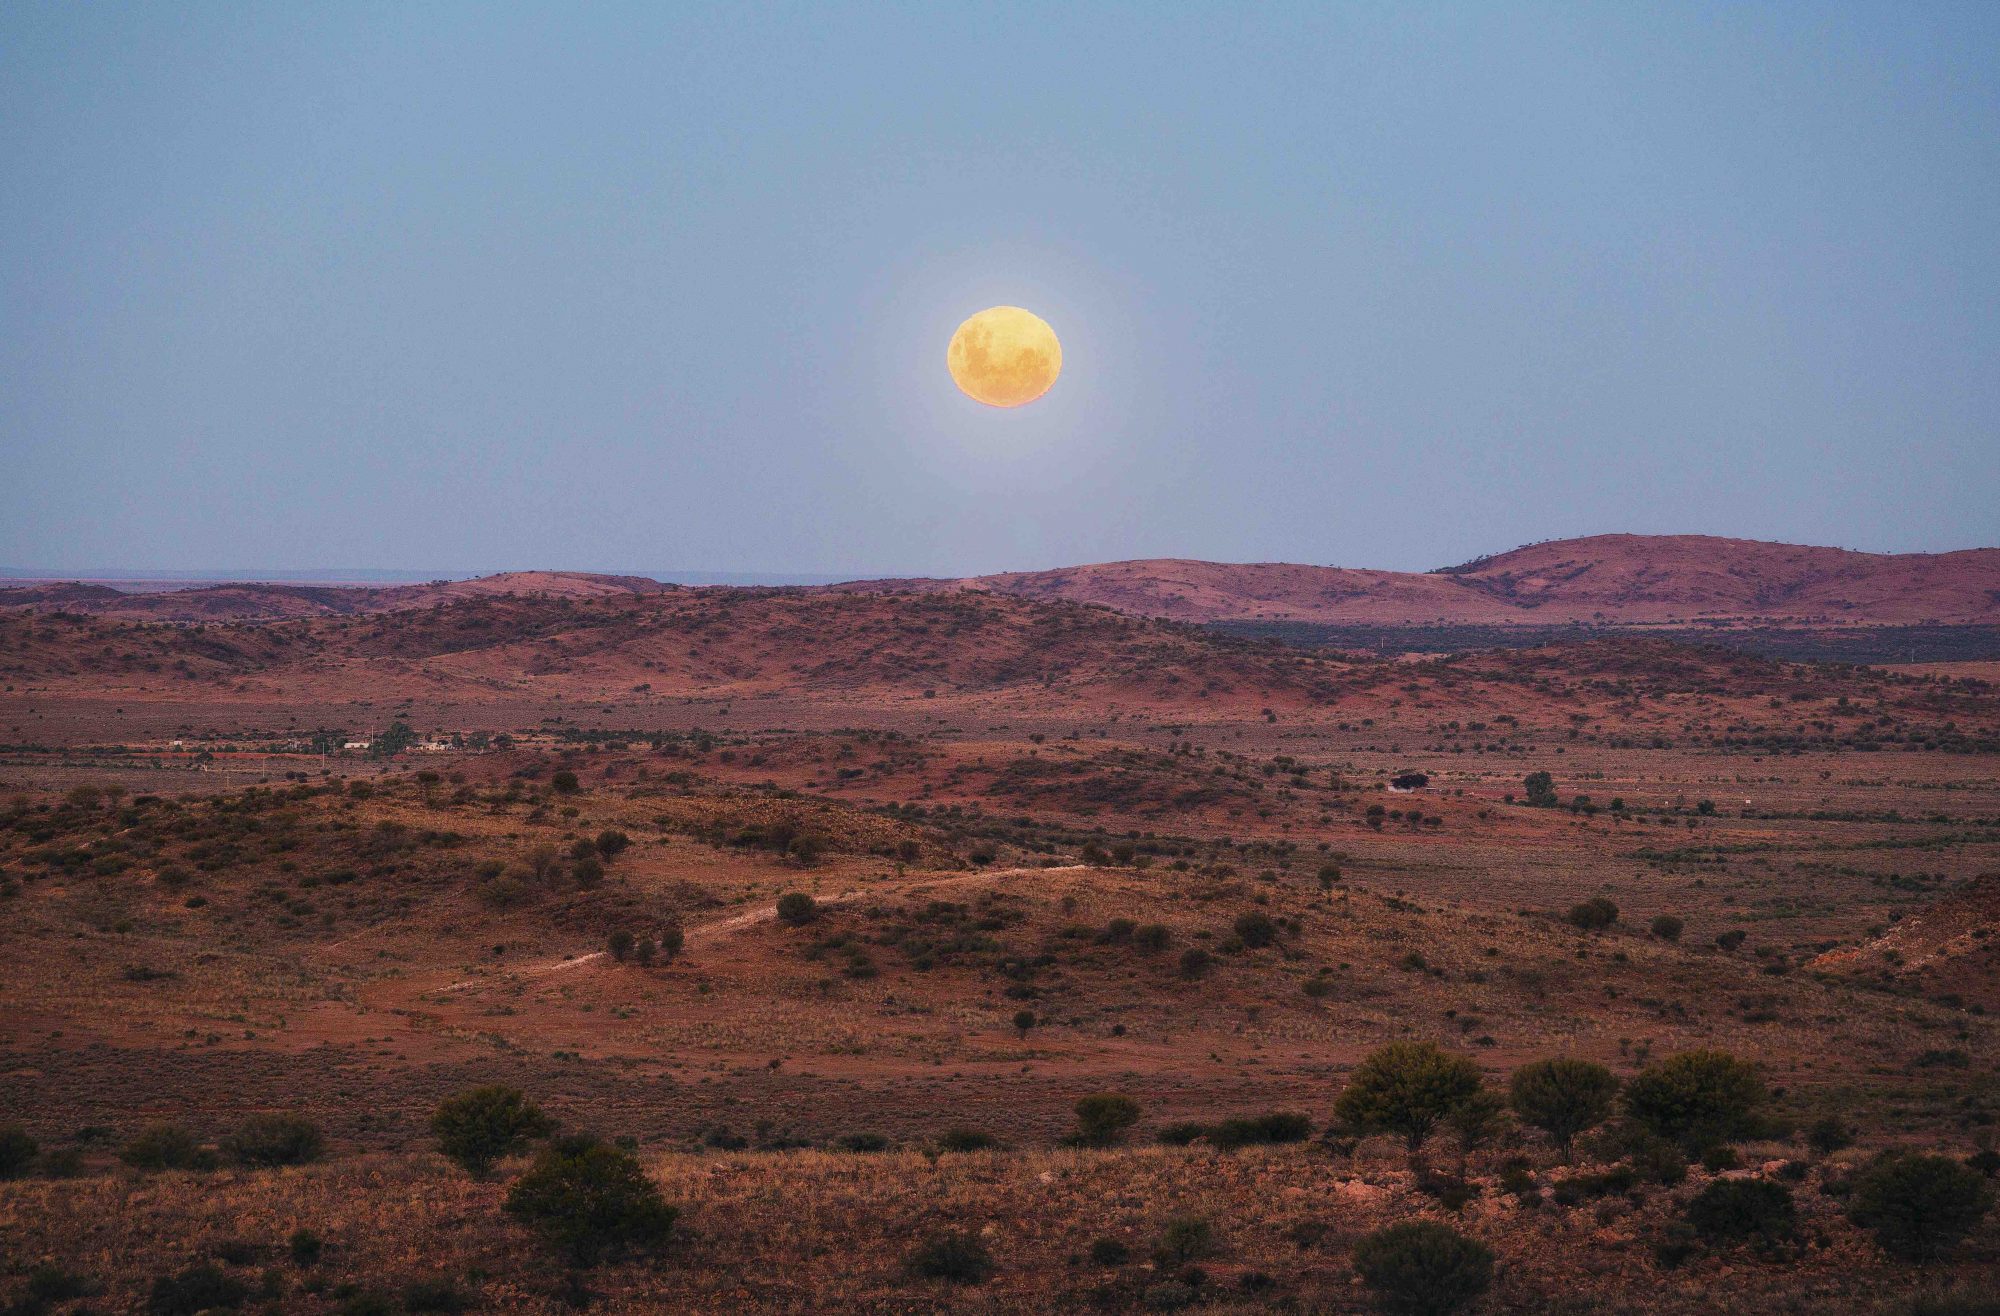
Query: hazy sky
pixel 470 287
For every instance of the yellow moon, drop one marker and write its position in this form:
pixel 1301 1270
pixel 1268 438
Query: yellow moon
pixel 1004 356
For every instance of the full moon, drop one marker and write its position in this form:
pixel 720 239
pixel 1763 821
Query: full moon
pixel 1004 356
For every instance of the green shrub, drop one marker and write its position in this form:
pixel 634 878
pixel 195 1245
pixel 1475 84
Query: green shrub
pixel 17 1151
pixel 1697 1099
pixel 797 908
pixel 1421 1268
pixel 1272 1128
pixel 1195 962
pixel 619 944
pixel 1829 1134
pixel 564 782
pixel 1666 927
pixel 1185 1238
pixel 588 1200
pixel 479 1126
pixel 1103 1117
pixel 1256 929
pixel 267 1140
pixel 966 1140
pixel 201 1288
pixel 1153 937
pixel 611 843
pixel 1593 914
pixel 161 1147
pixel 1919 1207
pixel 1562 1097
pixel 424 1295
pixel 1109 1252
pixel 305 1247
pixel 958 1256
pixel 1743 1211
pixel 1406 1088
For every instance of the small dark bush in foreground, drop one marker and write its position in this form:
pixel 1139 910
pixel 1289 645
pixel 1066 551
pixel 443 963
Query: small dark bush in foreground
pixel 588 1200
pixel 1919 1207
pixel 1421 1268
pixel 1743 1211
pixel 954 1255
pixel 266 1140
pixel 197 1289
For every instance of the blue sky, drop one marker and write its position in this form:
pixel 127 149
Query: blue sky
pixel 654 287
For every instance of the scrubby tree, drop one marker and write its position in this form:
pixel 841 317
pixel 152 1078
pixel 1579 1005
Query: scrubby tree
pixel 17 1151
pixel 672 940
pixel 1593 914
pixel 1255 929
pixel 1697 1099
pixel 1422 1268
pixel 611 842
pixel 589 1200
pixel 161 1147
pixel 1541 788
pixel 206 1287
pixel 1563 1097
pixel 1406 1088
pixel 274 1139
pixel 1103 1117
pixel 1023 1021
pixel 957 1256
pixel 479 1126
pixel 1666 927
pixel 1475 1124
pixel 1743 1211
pixel 620 945
pixel 1919 1207
pixel 796 908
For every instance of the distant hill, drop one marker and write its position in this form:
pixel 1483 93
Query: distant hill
pixel 1604 579
pixel 266 601
pixel 1614 579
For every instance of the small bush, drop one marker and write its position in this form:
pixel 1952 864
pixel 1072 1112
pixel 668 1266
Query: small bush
pixel 564 782
pixel 268 1140
pixel 957 1256
pixel 1103 1117
pixel 1829 1134
pixel 479 1126
pixel 1919 1207
pixel 1697 1099
pixel 1185 1238
pixel 1743 1211
pixel 305 1247
pixel 197 1289
pixel 1256 929
pixel 1109 1252
pixel 1666 927
pixel 796 908
pixel 1421 1268
pixel 611 843
pixel 435 1295
pixel 17 1151
pixel 1563 1097
pixel 161 1147
pixel 1154 937
pixel 966 1140
pixel 588 1199
pixel 1593 914
pixel 619 944
pixel 1195 962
